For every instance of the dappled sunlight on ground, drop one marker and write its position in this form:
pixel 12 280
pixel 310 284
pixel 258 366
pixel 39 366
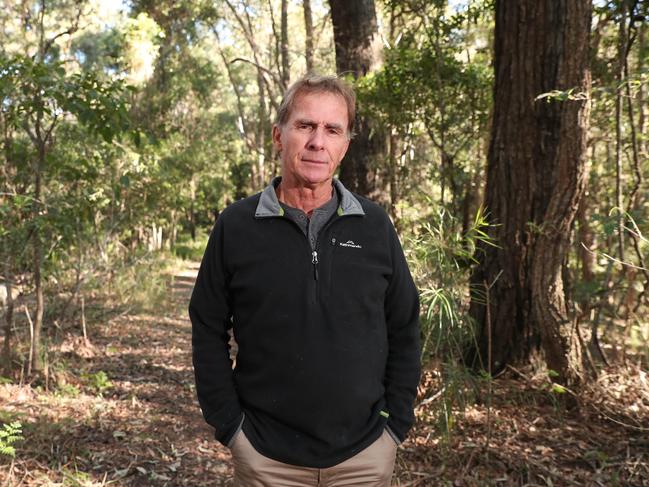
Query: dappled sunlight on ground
pixel 139 424
pixel 120 409
pixel 526 438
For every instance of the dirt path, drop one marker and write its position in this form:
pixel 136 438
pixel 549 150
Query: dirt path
pixel 146 430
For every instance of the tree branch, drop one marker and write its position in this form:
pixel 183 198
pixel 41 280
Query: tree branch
pixel 71 30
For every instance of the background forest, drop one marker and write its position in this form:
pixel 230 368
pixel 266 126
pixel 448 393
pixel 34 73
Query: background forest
pixel 508 141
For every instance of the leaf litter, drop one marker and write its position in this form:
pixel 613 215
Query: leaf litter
pixel 140 425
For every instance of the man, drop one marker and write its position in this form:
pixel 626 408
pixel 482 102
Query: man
pixel 314 284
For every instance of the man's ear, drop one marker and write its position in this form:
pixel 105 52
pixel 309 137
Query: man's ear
pixel 277 138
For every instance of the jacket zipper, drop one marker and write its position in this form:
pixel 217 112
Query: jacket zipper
pixel 314 252
pixel 314 261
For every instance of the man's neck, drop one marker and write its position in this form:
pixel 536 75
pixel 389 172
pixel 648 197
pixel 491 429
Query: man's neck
pixel 304 198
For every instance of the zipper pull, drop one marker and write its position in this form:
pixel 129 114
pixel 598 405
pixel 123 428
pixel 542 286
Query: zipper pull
pixel 314 261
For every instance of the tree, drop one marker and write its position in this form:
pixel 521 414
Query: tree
pixel 44 95
pixel 357 53
pixel 308 30
pixel 536 175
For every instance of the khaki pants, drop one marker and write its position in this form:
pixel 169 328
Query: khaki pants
pixel 372 467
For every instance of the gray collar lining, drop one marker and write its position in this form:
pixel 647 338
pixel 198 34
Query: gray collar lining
pixel 269 206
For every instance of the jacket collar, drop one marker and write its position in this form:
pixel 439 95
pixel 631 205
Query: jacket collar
pixel 269 206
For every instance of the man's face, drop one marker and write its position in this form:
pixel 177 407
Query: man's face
pixel 314 139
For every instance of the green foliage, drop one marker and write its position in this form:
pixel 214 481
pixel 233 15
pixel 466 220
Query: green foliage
pixel 442 256
pixel 189 249
pixel 565 95
pixel 10 434
pixel 446 102
pixel 558 388
pixel 67 390
pixel 139 282
pixel 98 382
pixel 434 99
pixel 42 92
pixel 76 478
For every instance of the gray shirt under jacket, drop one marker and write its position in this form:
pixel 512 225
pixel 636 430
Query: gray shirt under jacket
pixel 319 217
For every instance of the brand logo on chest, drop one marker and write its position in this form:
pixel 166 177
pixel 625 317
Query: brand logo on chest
pixel 350 244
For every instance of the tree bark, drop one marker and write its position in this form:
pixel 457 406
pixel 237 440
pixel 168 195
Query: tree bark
pixel 619 202
pixel 641 89
pixel 355 36
pixel 308 29
pixel 37 359
pixel 8 306
pixel 357 53
pixel 536 175
pixel 259 174
pixel 586 241
pixel 286 76
pixel 393 168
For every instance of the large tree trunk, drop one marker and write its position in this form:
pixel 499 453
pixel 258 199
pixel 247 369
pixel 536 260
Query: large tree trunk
pixel 358 53
pixel 536 175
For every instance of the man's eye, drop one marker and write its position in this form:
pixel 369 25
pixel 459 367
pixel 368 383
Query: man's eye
pixel 304 126
pixel 334 132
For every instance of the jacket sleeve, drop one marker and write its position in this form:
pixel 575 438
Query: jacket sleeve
pixel 403 367
pixel 210 315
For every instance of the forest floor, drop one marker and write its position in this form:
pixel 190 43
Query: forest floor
pixel 121 410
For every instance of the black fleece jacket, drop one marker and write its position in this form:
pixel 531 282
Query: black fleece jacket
pixel 328 343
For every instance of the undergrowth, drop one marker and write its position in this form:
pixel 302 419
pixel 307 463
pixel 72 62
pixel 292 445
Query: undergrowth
pixel 440 260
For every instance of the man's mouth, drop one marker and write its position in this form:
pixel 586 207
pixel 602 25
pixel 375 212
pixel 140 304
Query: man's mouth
pixel 313 161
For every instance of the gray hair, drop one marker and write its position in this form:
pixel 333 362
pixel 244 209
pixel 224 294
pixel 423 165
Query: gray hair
pixel 318 84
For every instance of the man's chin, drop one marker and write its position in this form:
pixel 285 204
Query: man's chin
pixel 315 179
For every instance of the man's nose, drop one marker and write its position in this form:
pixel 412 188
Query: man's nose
pixel 316 141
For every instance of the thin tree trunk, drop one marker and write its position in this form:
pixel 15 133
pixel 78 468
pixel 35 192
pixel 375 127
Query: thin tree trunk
pixel 641 89
pixel 308 29
pixel 472 197
pixel 248 32
pixel 7 175
pixel 262 133
pixel 637 135
pixel 274 54
pixel 37 359
pixel 393 168
pixel 632 203
pixel 192 208
pixel 586 241
pixel 286 75
pixel 621 52
pixel 173 231
pixel 9 310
